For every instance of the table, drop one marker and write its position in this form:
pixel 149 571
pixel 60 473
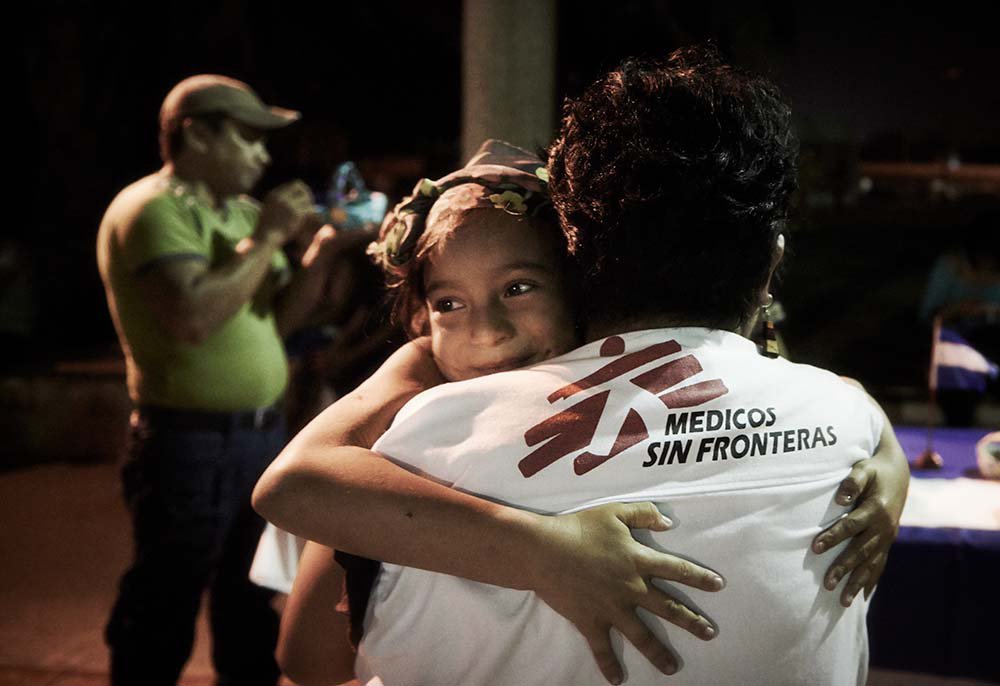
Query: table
pixel 937 607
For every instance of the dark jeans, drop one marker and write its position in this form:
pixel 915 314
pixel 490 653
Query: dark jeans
pixel 188 493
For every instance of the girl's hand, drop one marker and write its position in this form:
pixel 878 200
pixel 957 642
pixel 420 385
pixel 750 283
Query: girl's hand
pixel 879 486
pixel 595 574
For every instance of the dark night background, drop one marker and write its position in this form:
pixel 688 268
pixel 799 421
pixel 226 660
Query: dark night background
pixel 379 82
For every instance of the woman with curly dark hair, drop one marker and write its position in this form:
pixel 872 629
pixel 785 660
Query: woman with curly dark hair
pixel 671 180
pixel 684 167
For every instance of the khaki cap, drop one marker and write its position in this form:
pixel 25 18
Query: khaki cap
pixel 212 93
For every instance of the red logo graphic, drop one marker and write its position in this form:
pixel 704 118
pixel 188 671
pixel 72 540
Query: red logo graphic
pixel 574 428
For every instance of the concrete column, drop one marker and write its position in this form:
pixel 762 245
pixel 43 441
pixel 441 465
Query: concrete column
pixel 508 72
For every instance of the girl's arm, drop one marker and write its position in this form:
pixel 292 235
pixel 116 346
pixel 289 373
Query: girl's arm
pixel 878 485
pixel 585 565
pixel 313 646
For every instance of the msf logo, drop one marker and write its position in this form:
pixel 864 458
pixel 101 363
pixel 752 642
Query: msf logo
pixel 573 429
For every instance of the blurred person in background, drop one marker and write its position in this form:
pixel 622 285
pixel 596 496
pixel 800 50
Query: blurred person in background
pixel 201 296
pixel 963 290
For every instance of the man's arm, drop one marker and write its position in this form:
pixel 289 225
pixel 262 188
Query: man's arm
pixel 192 299
pixel 585 565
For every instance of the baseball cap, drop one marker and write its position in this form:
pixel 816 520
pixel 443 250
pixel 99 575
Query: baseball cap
pixel 212 93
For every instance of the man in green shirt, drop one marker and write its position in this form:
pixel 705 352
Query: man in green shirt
pixel 201 296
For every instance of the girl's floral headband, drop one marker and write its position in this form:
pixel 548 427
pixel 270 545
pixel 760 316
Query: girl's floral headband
pixel 506 177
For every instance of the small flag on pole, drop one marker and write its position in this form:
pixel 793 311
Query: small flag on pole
pixel 957 365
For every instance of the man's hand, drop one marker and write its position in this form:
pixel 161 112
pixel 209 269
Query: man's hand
pixel 285 211
pixel 879 487
pixel 595 574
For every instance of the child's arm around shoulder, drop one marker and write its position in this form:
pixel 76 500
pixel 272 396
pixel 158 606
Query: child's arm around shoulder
pixel 312 646
pixel 879 487
pixel 329 464
pixel 586 565
pixel 364 414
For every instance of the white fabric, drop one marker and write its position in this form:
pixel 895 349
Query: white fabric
pixel 752 519
pixel 276 561
pixel 953 503
pixel 948 354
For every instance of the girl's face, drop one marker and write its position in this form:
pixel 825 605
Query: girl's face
pixel 496 297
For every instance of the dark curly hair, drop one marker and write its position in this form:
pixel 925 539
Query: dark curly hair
pixel 672 180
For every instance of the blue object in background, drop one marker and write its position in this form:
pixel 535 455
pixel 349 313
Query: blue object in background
pixel 349 203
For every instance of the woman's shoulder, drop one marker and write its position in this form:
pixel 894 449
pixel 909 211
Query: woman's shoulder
pixel 818 379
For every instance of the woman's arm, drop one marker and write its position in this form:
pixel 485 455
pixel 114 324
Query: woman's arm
pixel 878 485
pixel 313 646
pixel 585 565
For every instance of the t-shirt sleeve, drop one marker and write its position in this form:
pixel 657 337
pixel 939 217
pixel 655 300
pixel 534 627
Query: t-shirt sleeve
pixel 162 229
pixel 431 433
pixel 870 418
pixel 877 424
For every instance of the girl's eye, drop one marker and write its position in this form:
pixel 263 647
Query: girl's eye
pixel 519 288
pixel 446 305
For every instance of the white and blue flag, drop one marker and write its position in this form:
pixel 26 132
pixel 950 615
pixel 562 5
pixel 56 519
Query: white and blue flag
pixel 956 365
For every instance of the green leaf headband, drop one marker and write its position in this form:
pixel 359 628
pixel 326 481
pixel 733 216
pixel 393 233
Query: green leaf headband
pixel 511 179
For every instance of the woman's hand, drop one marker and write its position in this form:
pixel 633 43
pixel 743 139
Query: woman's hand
pixel 879 486
pixel 595 574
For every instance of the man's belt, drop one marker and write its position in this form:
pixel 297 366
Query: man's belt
pixel 207 420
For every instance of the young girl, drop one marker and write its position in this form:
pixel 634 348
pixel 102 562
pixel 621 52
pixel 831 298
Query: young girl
pixel 479 274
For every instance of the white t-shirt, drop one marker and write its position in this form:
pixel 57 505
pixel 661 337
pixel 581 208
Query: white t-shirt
pixel 276 561
pixel 743 452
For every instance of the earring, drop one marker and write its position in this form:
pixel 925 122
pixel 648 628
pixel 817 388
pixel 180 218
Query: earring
pixel 770 334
